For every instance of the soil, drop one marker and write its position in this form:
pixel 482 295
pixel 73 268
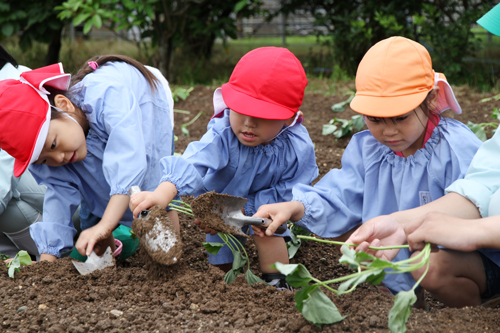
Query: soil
pixel 209 209
pixel 138 295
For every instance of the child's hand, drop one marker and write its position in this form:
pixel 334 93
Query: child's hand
pixel 380 231
pixel 203 227
pixel 144 200
pixel 96 238
pixel 280 213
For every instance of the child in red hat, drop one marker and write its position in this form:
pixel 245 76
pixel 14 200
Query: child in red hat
pixel 255 147
pixel 88 141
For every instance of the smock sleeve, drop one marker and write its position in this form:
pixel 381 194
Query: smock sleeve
pixel 482 179
pixel 186 172
pixel 7 180
pixel 119 117
pixel 54 235
pixel 334 205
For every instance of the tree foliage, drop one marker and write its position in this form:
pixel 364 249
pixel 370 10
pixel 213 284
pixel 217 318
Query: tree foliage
pixel 443 26
pixel 33 21
pixel 190 24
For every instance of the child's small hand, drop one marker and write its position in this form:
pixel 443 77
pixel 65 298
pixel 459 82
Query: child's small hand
pixel 203 227
pixel 280 213
pixel 142 201
pixel 95 238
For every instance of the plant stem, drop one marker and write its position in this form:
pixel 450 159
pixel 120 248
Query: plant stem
pixel 343 243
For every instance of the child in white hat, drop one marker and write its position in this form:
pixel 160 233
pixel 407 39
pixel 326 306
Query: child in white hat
pixel 88 141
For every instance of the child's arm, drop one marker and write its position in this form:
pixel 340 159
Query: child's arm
pixel 115 209
pixel 162 196
pixel 453 233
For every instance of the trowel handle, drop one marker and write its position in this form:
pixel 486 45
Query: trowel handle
pixel 262 223
pixel 134 189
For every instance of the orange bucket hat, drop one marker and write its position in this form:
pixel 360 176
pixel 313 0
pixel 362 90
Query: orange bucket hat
pixel 395 76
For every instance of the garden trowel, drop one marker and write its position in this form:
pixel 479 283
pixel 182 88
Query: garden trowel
pixel 156 234
pixel 223 213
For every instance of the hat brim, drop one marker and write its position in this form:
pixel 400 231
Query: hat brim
pixel 490 20
pixel 253 107
pixel 384 106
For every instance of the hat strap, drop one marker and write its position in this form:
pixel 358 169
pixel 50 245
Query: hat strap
pixel 297 120
pixel 65 113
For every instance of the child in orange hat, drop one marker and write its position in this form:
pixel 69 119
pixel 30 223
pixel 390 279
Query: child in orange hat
pixel 255 148
pixel 406 158
pixel 465 219
pixel 88 141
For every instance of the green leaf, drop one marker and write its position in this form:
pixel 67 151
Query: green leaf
pixel 251 277
pixel 297 275
pixel 316 307
pixel 401 310
pixel 7 29
pixel 230 276
pixel 21 258
pixel 184 130
pixel 80 18
pixel 240 5
pixel 349 257
pixel 239 261
pixel 212 248
pixel 329 129
pixel 478 130
pixel 97 21
pixel 355 281
pixel 358 122
pixel 87 27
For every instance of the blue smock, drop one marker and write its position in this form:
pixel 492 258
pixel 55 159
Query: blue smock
pixel 375 181
pixel 481 185
pixel 263 174
pixel 130 131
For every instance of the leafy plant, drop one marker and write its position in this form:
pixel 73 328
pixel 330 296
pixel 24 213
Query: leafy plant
pixel 316 307
pixel 181 93
pixel 184 129
pixel 481 129
pixel 4 257
pixel 340 107
pixel 294 244
pixel 240 259
pixel 21 258
pixel 347 127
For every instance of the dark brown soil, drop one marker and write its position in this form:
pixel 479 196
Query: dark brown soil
pixel 209 209
pixel 158 237
pixel 141 296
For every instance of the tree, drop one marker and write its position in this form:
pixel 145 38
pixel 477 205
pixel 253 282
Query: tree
pixel 33 21
pixel 166 21
pixel 444 26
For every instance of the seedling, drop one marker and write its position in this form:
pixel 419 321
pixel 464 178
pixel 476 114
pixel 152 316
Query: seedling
pixel 347 127
pixel 240 259
pixel 181 93
pixel 184 129
pixel 4 257
pixel 340 107
pixel 294 244
pixel 21 258
pixel 481 129
pixel 316 307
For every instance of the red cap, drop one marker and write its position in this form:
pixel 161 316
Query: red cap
pixel 25 113
pixel 268 83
